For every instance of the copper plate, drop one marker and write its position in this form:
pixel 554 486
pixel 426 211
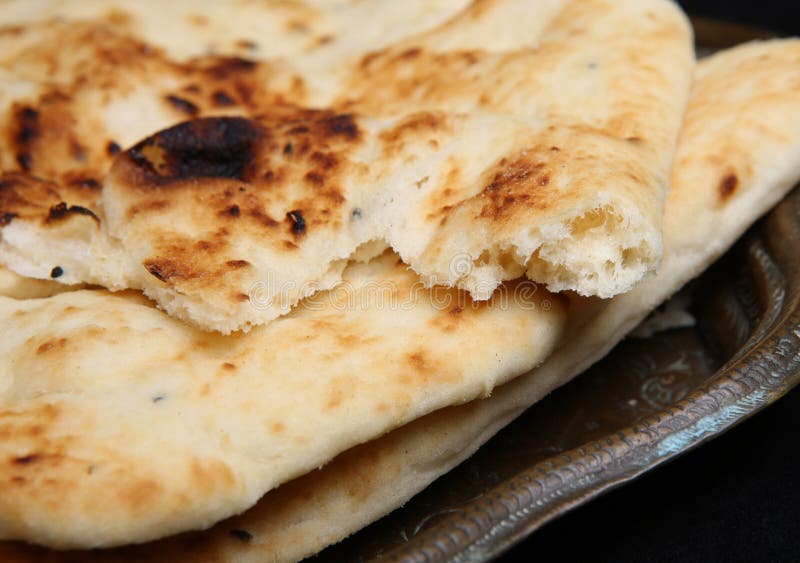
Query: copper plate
pixel 647 402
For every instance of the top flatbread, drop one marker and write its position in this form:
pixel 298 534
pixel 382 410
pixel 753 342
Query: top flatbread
pixel 478 155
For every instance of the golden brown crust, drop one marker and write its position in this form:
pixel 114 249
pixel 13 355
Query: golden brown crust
pixel 440 141
pixel 90 367
pixel 322 506
pixel 32 199
pixel 60 133
pixel 274 178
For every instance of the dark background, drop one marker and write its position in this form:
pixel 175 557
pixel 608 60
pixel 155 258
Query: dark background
pixel 780 15
pixel 736 498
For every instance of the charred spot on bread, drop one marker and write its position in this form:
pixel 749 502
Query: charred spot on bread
pixel 727 185
pixel 25 160
pixel 214 147
pixel 228 66
pixel 342 124
pixel 113 148
pixel 25 130
pixel 83 182
pixel 61 211
pixel 27 124
pixel 6 218
pixel 183 105
pixel 26 459
pixel 221 99
pixel 162 270
pixel 56 272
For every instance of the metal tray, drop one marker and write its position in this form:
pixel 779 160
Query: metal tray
pixel 647 402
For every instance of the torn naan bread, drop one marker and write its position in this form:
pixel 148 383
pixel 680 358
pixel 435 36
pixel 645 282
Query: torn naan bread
pixel 744 119
pixel 477 155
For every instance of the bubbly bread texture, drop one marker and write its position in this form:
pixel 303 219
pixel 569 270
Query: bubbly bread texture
pixel 252 29
pixel 743 116
pixel 122 425
pixel 477 155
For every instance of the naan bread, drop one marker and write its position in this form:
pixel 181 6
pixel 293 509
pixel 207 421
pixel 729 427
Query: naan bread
pixel 477 155
pixel 744 116
pixel 121 424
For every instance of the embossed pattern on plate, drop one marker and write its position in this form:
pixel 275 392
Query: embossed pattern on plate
pixel 647 402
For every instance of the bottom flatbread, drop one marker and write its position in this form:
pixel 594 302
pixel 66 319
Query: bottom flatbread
pixel 120 425
pixel 739 154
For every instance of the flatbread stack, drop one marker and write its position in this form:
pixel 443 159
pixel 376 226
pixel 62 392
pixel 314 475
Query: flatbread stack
pixel 275 243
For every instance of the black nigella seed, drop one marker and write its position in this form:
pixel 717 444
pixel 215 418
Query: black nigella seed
pixel 56 272
pixel 183 105
pixel 223 99
pixel 25 161
pixel 298 223
pixel 243 535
